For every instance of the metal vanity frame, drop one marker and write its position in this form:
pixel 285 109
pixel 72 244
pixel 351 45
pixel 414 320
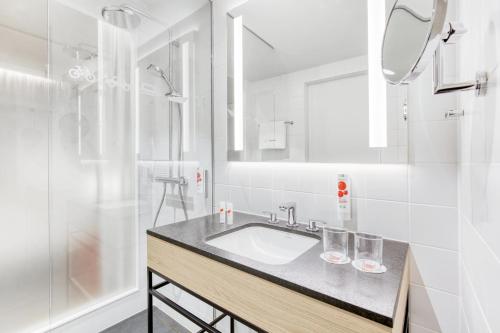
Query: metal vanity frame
pixel 205 327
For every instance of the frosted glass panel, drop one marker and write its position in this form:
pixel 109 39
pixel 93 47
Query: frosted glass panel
pixel 24 115
pixel 68 149
pixel 92 176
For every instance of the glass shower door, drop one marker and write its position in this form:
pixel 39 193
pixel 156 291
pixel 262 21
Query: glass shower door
pixel 69 121
pixel 93 227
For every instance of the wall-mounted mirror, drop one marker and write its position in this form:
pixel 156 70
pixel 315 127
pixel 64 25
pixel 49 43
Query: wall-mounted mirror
pixel 412 34
pixel 416 31
pixel 299 84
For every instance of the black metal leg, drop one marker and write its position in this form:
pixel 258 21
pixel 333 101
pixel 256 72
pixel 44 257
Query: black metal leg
pixel 150 302
pixel 406 327
pixel 205 327
pixel 213 322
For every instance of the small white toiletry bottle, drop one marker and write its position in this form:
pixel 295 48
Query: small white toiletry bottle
pixel 229 213
pixel 200 180
pixel 222 212
pixel 343 197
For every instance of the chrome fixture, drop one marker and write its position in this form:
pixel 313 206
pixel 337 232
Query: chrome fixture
pixel 173 95
pixel 453 114
pixel 180 181
pixel 313 225
pixel 273 219
pixel 169 180
pixel 455 31
pixel 291 209
pixel 178 99
pixel 126 16
pixel 121 16
pixel 413 36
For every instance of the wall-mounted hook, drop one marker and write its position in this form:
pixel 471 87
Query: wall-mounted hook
pixel 454 114
pixel 405 110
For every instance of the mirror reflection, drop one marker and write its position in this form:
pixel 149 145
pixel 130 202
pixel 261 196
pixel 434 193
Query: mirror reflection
pixel 406 37
pixel 301 94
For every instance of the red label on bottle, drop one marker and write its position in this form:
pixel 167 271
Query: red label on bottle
pixel 342 185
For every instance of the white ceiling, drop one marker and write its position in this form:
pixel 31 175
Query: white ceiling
pixel 304 33
pixel 24 26
pixel 167 12
pixel 30 16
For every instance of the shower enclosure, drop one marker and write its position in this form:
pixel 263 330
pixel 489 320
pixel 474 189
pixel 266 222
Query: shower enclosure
pixel 94 152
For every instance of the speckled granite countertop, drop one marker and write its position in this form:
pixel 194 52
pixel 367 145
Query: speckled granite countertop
pixel 372 296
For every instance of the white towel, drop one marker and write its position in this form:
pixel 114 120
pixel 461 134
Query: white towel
pixel 272 135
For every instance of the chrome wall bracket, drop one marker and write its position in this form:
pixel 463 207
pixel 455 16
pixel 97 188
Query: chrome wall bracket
pixel 454 114
pixel 455 31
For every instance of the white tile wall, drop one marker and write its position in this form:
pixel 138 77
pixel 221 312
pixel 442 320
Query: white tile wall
pixel 434 268
pixel 432 210
pixel 479 179
pixel 433 184
pixel 474 319
pixel 376 188
pixel 434 226
pixel 434 310
pixel 482 269
pixel 387 218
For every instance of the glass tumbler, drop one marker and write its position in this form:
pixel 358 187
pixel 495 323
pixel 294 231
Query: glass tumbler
pixel 335 245
pixel 368 252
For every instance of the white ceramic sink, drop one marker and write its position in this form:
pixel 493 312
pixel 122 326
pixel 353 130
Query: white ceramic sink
pixel 266 245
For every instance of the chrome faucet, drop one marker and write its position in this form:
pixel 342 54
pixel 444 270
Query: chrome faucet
pixel 291 208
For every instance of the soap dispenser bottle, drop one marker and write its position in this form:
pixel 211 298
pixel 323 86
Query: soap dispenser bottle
pixel 229 213
pixel 222 212
pixel 343 197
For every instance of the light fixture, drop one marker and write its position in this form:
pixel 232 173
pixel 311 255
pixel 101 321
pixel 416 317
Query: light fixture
pixel 186 106
pixel 238 82
pixel 100 83
pixel 137 109
pixel 79 109
pixel 26 76
pixel 377 87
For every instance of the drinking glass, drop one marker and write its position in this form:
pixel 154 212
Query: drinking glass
pixel 335 245
pixel 368 252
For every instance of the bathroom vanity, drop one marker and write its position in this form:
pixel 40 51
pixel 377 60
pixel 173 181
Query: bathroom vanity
pixel 281 289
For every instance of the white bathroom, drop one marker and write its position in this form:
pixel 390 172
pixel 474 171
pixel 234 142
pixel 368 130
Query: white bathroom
pixel 249 166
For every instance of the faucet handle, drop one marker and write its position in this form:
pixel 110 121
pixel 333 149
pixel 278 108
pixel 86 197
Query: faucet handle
pixel 273 219
pixel 313 225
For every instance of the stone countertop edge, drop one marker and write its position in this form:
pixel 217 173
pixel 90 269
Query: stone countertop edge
pixel 197 245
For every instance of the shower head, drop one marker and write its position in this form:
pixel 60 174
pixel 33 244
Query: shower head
pixel 121 16
pixel 173 95
pixel 158 70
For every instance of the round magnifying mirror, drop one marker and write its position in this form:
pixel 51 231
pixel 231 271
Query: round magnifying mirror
pixel 412 34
